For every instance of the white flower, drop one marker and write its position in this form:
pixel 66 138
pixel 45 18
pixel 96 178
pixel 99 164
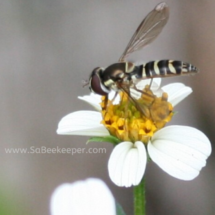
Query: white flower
pixel 87 123
pixel 181 151
pixel 89 197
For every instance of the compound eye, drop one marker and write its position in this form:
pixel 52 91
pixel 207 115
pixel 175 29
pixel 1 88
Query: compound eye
pixel 95 83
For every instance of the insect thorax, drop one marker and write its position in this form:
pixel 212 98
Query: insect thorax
pixel 117 73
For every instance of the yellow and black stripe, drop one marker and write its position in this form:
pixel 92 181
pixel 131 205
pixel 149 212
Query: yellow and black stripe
pixel 162 68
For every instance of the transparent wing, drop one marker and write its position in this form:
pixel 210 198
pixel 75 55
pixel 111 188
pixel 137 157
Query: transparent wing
pixel 148 29
pixel 142 108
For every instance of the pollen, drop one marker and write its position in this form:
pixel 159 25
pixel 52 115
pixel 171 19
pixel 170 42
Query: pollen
pixel 136 119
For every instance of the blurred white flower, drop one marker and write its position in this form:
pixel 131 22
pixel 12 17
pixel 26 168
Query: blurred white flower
pixel 181 151
pixel 89 197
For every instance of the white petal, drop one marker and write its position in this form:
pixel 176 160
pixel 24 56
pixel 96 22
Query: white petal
pixel 90 197
pixel 127 163
pixel 135 94
pixel 181 151
pixel 176 92
pixel 92 99
pixel 114 96
pixel 86 123
pixel 155 87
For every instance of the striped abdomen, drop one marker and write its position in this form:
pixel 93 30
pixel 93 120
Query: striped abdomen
pixel 102 81
pixel 162 68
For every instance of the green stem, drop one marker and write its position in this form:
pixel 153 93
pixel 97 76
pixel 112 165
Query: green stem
pixel 139 199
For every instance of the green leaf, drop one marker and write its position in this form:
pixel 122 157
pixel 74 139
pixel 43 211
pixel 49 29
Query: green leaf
pixel 109 139
pixel 119 209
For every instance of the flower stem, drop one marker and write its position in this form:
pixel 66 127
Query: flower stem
pixel 139 199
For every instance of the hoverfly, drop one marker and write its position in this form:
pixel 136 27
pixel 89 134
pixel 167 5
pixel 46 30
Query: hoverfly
pixel 123 76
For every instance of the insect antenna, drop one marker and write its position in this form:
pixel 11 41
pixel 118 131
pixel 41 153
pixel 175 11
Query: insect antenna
pixel 84 82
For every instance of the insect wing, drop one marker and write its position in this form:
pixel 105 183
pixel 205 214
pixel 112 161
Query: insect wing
pixel 142 108
pixel 148 29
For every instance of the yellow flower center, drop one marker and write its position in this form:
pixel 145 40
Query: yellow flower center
pixel 136 119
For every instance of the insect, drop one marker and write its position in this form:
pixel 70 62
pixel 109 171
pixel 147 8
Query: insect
pixel 124 75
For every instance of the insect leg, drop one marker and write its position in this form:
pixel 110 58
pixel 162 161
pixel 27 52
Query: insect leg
pixel 104 107
pixel 150 83
pixel 107 102
pixel 142 92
